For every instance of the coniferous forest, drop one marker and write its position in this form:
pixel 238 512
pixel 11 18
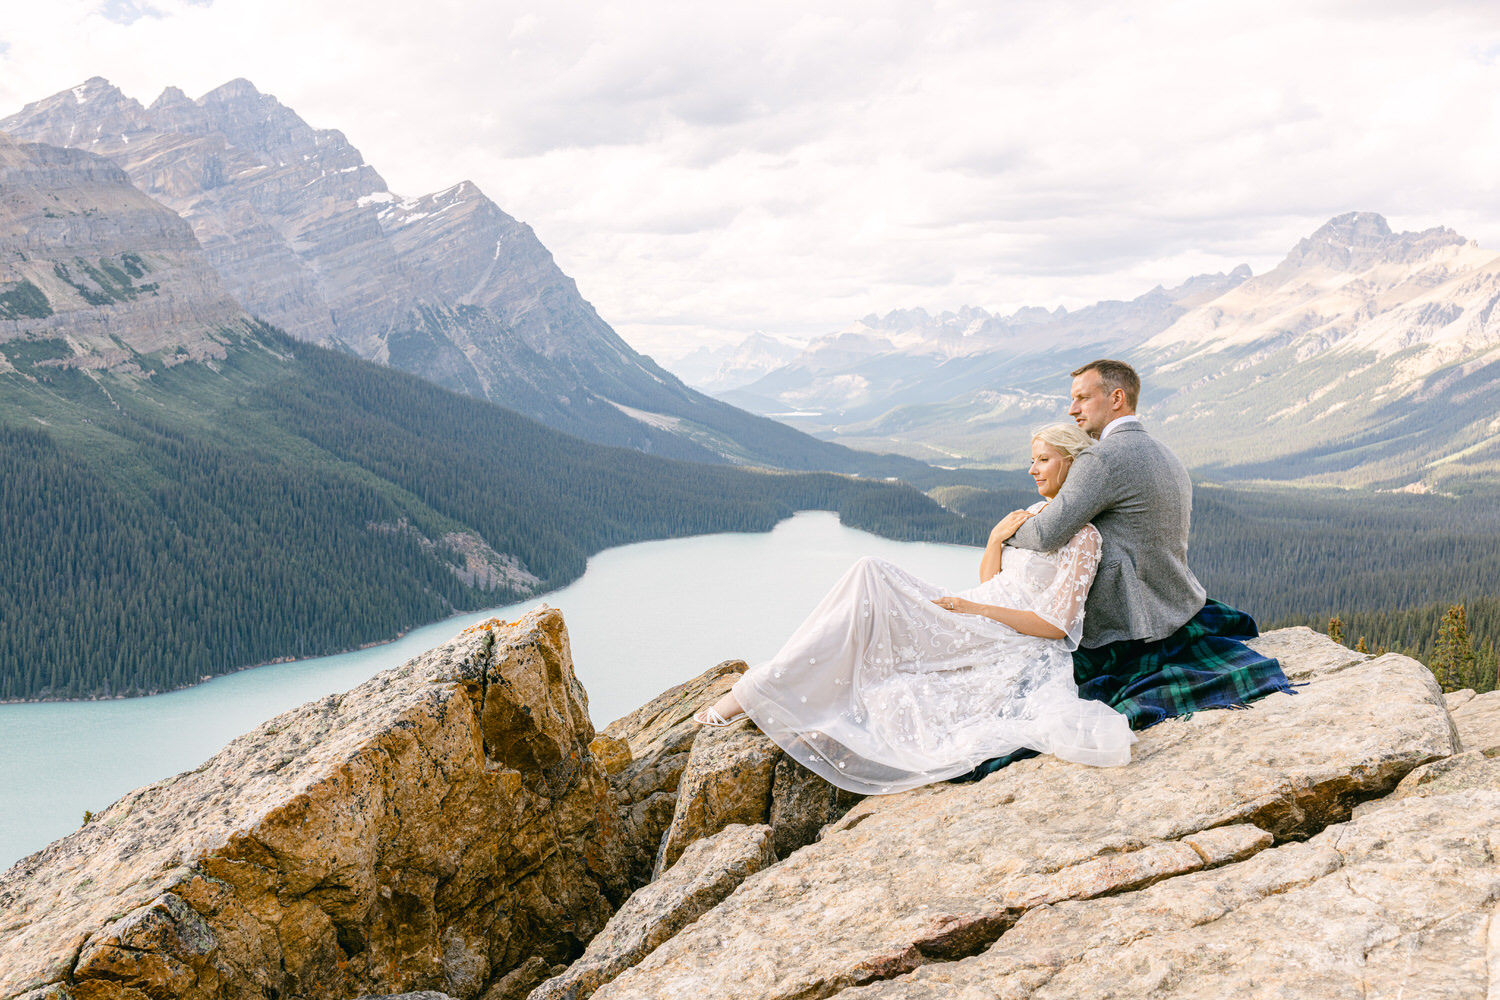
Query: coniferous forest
pixel 158 531
pixel 294 501
pixel 1389 566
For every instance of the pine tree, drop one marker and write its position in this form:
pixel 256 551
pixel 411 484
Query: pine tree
pixel 1336 629
pixel 1453 656
pixel 1360 647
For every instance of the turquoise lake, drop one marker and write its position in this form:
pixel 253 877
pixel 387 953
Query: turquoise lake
pixel 642 618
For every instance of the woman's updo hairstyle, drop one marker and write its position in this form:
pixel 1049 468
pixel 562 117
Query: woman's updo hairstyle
pixel 1067 439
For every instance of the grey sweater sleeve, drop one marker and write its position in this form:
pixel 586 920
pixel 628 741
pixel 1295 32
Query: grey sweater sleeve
pixel 1082 497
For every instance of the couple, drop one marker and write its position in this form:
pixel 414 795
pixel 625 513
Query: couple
pixel 1078 632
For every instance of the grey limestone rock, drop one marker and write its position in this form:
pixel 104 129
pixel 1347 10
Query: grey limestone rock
pixel 1478 721
pixel 709 870
pixel 728 779
pixel 939 873
pixel 1396 903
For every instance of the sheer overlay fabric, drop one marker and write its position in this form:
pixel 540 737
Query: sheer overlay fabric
pixel 881 690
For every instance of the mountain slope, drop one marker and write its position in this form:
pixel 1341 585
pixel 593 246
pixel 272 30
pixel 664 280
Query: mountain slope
pixel 306 235
pixel 185 490
pixel 1365 357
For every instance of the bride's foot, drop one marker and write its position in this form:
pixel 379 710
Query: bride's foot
pixel 721 713
pixel 710 717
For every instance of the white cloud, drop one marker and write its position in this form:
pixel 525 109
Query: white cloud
pixel 709 170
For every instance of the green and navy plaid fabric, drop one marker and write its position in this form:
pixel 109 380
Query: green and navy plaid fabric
pixel 1205 664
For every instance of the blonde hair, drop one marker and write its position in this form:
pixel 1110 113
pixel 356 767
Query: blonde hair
pixel 1068 439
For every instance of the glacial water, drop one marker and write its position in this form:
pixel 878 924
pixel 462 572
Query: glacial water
pixel 642 618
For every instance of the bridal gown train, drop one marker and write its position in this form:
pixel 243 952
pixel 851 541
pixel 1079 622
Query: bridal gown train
pixel 881 690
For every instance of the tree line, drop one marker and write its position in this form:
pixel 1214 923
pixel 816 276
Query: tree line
pixel 148 550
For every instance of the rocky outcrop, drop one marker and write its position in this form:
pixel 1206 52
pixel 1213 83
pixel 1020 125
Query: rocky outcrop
pixel 942 873
pixel 456 825
pixel 727 780
pixel 707 871
pixel 1398 903
pixel 651 748
pixel 433 828
pixel 677 783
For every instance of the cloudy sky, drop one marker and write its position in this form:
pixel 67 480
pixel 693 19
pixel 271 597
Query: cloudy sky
pixel 705 170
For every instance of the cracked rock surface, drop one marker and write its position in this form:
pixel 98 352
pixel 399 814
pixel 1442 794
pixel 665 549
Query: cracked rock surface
pixel 428 830
pixel 1397 903
pixel 940 873
pixel 707 871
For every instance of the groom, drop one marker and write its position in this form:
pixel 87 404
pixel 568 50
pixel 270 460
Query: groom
pixel 1153 646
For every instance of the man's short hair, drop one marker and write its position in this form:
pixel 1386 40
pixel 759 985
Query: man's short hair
pixel 1115 375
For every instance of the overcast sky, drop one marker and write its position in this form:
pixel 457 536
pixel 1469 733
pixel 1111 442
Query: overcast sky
pixel 705 170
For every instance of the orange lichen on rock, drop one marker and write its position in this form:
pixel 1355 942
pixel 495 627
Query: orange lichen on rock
pixel 491 625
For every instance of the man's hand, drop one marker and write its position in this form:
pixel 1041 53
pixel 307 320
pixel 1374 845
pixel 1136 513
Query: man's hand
pixel 1009 525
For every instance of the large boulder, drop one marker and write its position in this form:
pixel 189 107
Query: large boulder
pixel 657 741
pixel 1399 902
pixel 1478 721
pixel 940 873
pixel 708 870
pixel 727 780
pixel 429 830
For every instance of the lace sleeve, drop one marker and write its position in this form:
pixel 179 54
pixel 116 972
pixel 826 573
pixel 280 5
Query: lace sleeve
pixel 1061 604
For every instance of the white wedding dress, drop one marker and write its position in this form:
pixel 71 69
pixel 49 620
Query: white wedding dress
pixel 881 690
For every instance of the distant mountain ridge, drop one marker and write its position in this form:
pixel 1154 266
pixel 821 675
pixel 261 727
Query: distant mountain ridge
pixel 1365 357
pixel 307 236
pixel 958 386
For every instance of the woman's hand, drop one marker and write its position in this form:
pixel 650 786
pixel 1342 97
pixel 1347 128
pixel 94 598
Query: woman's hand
pixel 1024 622
pixel 1009 525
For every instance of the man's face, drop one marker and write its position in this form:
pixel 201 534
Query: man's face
pixel 1091 408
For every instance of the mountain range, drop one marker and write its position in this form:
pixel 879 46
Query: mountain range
pixel 307 237
pixel 186 490
pixel 1366 357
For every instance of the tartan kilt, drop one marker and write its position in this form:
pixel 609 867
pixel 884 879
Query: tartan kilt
pixel 1204 664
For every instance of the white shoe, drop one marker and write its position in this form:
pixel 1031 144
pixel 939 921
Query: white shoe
pixel 709 717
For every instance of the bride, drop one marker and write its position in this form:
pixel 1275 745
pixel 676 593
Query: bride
pixel 890 683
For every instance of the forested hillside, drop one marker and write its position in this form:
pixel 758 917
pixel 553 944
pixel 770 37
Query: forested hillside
pixel 160 528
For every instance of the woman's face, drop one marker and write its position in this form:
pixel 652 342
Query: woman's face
pixel 1049 467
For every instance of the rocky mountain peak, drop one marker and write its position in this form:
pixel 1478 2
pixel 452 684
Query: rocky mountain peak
pixel 96 89
pixel 171 97
pixel 91 113
pixel 237 89
pixel 1356 241
pixel 308 237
